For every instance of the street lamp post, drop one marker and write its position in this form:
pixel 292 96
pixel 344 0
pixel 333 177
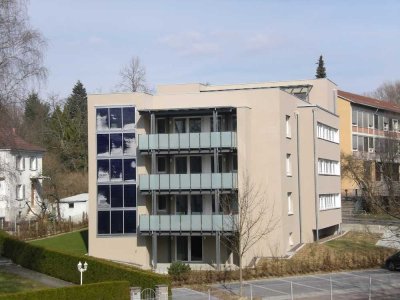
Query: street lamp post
pixel 84 269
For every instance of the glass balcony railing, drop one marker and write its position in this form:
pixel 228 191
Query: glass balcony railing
pixel 181 141
pixel 203 181
pixel 187 223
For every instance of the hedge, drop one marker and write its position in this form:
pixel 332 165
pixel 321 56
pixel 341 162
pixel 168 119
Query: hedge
pixel 64 266
pixel 94 291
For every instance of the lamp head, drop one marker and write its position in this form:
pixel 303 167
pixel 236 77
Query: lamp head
pixel 79 266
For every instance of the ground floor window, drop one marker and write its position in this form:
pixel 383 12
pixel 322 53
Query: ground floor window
pixel 189 249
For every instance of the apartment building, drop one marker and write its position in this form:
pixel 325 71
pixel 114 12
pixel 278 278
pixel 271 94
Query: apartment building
pixel 160 165
pixel 20 176
pixel 368 128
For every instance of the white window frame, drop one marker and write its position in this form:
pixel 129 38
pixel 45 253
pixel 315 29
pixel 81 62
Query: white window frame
pixel 20 191
pixel 328 167
pixel 327 133
pixel 329 201
pixel 33 163
pixel 395 125
pixel 20 163
pixel 288 165
pixel 290 203
pixel 288 127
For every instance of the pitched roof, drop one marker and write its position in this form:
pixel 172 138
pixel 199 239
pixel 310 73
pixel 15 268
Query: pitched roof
pixel 76 198
pixel 368 101
pixel 10 140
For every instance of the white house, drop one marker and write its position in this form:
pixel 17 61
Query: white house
pixel 75 207
pixel 20 176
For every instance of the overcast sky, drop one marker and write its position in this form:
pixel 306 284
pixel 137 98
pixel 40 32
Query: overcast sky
pixel 218 41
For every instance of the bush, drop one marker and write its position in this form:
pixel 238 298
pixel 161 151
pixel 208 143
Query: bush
pixel 95 291
pixel 64 266
pixel 178 270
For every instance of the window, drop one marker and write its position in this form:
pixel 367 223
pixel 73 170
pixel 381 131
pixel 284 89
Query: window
pixel 180 125
pixel 162 164
pixel 181 165
pixel 288 128
pixel 116 171
pixel 234 162
pixel 219 124
pixel 196 204
pixel 328 167
pixel 71 205
pixel 385 123
pixel 219 164
pixel 161 126
pixel 290 240
pixel 20 163
pixel 329 201
pixel 20 192
pixel 290 203
pixel 162 203
pixel 395 125
pixel 196 248
pixel 288 165
pixel 189 248
pixel 328 133
pixel 354 117
pixel 195 164
pixel 194 125
pixel 181 205
pixel 33 163
pixel 371 120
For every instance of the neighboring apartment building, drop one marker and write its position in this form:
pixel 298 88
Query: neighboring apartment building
pixel 20 176
pixel 366 126
pixel 160 165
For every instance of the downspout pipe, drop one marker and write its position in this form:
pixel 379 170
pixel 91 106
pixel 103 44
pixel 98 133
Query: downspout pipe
pixel 315 179
pixel 298 175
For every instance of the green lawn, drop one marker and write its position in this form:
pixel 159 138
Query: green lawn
pixel 11 283
pixel 73 242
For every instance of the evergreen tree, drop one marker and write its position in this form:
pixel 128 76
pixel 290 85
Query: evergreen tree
pixel 35 120
pixel 321 71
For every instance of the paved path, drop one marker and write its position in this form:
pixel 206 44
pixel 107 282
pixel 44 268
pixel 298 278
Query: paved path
pixel 7 266
pixel 344 285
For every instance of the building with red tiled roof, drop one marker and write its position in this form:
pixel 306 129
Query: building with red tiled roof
pixel 20 177
pixel 367 127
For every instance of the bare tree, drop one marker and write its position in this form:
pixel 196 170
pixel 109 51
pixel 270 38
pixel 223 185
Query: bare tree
pixel 21 51
pixel 387 91
pixel 253 220
pixel 133 77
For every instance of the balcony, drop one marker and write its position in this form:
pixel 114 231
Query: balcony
pixel 203 141
pixel 177 224
pixel 187 182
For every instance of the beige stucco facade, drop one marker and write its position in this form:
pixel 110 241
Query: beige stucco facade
pixel 278 148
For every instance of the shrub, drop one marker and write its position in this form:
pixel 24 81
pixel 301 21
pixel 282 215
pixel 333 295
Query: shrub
pixel 178 270
pixel 94 291
pixel 64 266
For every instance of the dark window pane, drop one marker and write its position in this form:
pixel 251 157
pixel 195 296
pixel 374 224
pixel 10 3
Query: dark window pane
pixel 116 169
pixel 234 123
pixel 195 164
pixel 196 204
pixel 161 126
pixel 197 248
pixel 161 164
pixel 219 124
pixel 116 196
pixel 102 145
pixel 130 195
pixel 180 125
pixel 129 144
pixel 219 164
pixel 234 162
pixel 130 221
pixel 103 222
pixel 213 203
pixel 115 118
pixel 102 118
pixel 103 196
pixel 182 248
pixel 162 202
pixel 117 222
pixel 116 144
pixel 181 205
pixel 194 125
pixel 180 165
pixel 103 170
pixel 129 117
pixel 129 169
